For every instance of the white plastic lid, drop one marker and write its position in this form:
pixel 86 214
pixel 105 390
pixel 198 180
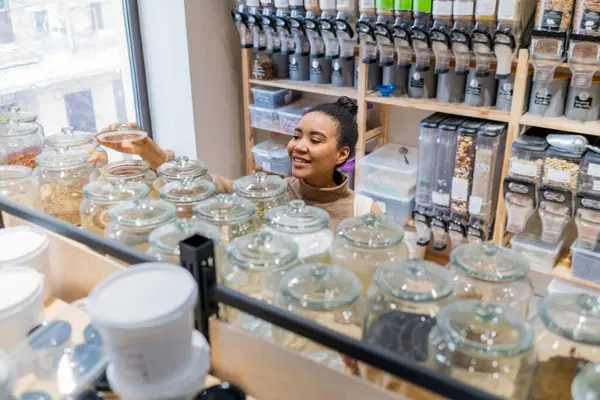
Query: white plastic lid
pixel 7 375
pixel 146 295
pixel 21 243
pixel 19 287
pixel 185 385
pixel 391 158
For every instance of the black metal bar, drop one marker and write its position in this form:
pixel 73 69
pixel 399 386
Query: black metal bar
pixel 117 250
pixel 409 370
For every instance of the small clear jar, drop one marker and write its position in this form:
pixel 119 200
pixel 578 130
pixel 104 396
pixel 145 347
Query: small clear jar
pixel 101 197
pixel 326 294
pixel 306 225
pixel 130 171
pixel 18 184
pixel 485 345
pixel 187 194
pixel 132 222
pixel 561 168
pixel 22 142
pixel 586 385
pixel 362 243
pixel 164 241
pixel 527 158
pixel 62 176
pixel 492 273
pixel 266 192
pixel 69 139
pixel 233 216
pixel 567 332
pixel 180 169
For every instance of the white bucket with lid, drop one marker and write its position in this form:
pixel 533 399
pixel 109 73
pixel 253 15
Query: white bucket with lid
pixel 145 316
pixel 184 386
pixel 21 304
pixel 24 245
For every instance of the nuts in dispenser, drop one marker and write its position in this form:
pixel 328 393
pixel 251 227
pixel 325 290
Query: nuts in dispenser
pixel 561 172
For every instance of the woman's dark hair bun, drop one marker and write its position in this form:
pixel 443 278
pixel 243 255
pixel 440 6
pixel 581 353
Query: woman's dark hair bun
pixel 347 104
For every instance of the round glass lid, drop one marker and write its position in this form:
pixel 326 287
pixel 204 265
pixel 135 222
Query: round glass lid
pixel 586 385
pixel 60 160
pixel 414 280
pixel 320 286
pixel 122 134
pixel 16 128
pixel 142 213
pixel 115 192
pixel 17 115
pixel 166 239
pixel 262 250
pixel 371 231
pixel 69 138
pixel 575 316
pixel 225 209
pixel 490 262
pixel 184 192
pixel 12 174
pixel 182 167
pixel 297 217
pixel 259 186
pixel 128 169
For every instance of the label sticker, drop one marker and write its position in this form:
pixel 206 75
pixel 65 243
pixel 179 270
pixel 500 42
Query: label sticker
pixel 460 189
pixel 463 8
pixel 519 168
pixel 475 204
pixel 266 166
pixel 556 175
pixel 474 87
pixel 594 170
pixel 551 20
pixel 542 98
pixel 583 101
pixel 417 80
pixel 315 68
pixel 337 70
pixel 441 199
pixel 442 8
pixel 596 185
pixel 590 20
pixel 506 91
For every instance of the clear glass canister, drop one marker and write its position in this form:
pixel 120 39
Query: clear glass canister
pixel 491 273
pixel 326 294
pixel 101 197
pixel 233 215
pixel 527 158
pixel 130 171
pixel 179 169
pixel 586 385
pixel 264 191
pixel 18 115
pixel 18 184
pixel 362 243
pixel 22 142
pixel 132 222
pixel 306 225
pixel 567 338
pixel 561 168
pixel 554 15
pixel 485 345
pixel 187 194
pixel 69 139
pixel 62 176
pixel 164 241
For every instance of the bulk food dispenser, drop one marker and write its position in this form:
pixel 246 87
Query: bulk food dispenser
pixel 401 31
pixel 460 35
pixel 583 99
pixel 365 26
pixel 385 40
pixel 329 34
pixel 238 14
pixel 440 35
pixel 299 68
pixel 280 60
pixel 445 40
pixel 282 21
pixel 320 66
pixel 342 74
pixel 421 78
pixel 482 40
pixel 262 66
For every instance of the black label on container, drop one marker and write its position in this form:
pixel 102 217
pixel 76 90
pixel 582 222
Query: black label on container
pixel 315 68
pixel 590 21
pixel 337 70
pixel 551 20
pixel 506 91
pixel 583 101
pixel 293 64
pixel 474 87
pixel 417 80
pixel 542 98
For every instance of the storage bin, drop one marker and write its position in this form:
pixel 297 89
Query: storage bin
pixel 585 264
pixel 541 255
pixel 273 97
pixel 272 156
pixel 290 116
pixel 389 171
pixel 398 208
pixel 264 118
pixel 444 159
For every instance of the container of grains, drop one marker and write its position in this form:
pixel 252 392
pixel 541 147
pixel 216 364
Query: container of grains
pixel 70 139
pixel 567 331
pixel 445 155
pixel 561 168
pixel 266 192
pixel 101 197
pixel 554 15
pixel 556 208
pixel 491 273
pixel 62 176
pixel 180 169
pixel 130 171
pixel 187 194
pixel 586 18
pixel 587 219
pixel 18 184
pixel 21 141
pixel 19 115
pixel 527 158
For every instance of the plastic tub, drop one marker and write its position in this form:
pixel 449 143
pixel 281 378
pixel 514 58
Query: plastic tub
pixel 24 245
pixel 542 256
pixel 398 208
pixel 272 156
pixel 290 116
pixel 145 316
pixel 387 171
pixel 585 264
pixel 186 385
pixel 273 97
pixel 264 118
pixel 21 304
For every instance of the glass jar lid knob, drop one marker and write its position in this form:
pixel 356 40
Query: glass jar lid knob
pixel 370 220
pixel 297 206
pixel 260 177
pixel 589 304
pixel 489 249
pixel 67 130
pixel 263 239
pixel 486 312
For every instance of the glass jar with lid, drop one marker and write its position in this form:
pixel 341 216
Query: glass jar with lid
pixel 567 332
pixel 130 171
pixel 306 225
pixel 132 222
pixel 264 191
pixel 101 197
pixel 164 241
pixel 586 385
pixel 187 194
pixel 485 345
pixel 22 142
pixel 492 273
pixel 179 169
pixel 233 216
pixel 362 243
pixel 326 294
pixel 19 115
pixel 70 139
pixel 18 184
pixel 62 176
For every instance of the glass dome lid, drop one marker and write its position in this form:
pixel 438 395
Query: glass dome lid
pixel 12 174
pixel 414 280
pixel 225 209
pixel 586 385
pixel 371 231
pixel 128 169
pixel 61 160
pixel 112 193
pixel 142 213
pixel 320 287
pixel 69 138
pixel 122 134
pixel 16 128
pixel 485 328
pixel 575 316
pixel 182 167
pixel 184 193
pixel 17 115
pixel 297 217
pixel 262 250
pixel 490 262
pixel 166 239
pixel 259 186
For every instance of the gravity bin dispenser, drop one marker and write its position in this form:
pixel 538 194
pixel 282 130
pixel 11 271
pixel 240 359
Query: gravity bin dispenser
pixel 282 21
pixel 299 60
pixel 365 26
pixel 238 14
pixel 262 66
pixel 421 78
pixel 329 34
pixel 402 43
pixel 320 66
pixel 269 23
pixel 342 74
pixel 385 40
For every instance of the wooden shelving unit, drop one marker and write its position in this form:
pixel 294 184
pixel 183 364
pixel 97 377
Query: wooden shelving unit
pixel 562 123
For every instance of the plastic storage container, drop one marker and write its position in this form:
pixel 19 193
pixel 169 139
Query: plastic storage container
pixel 445 155
pixel 398 208
pixel 290 116
pixel 390 170
pixel 428 143
pixel 266 192
pixel 585 264
pixel 264 118
pixel 561 168
pixel 186 195
pixel 554 15
pixel 541 255
pixel 272 156
pixel 273 97
pixel 527 158
pixel 547 99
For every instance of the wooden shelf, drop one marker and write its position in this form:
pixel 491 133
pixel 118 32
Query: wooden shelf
pixel 562 124
pixel 562 270
pixel 372 134
pixel 433 105
pixel 309 87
